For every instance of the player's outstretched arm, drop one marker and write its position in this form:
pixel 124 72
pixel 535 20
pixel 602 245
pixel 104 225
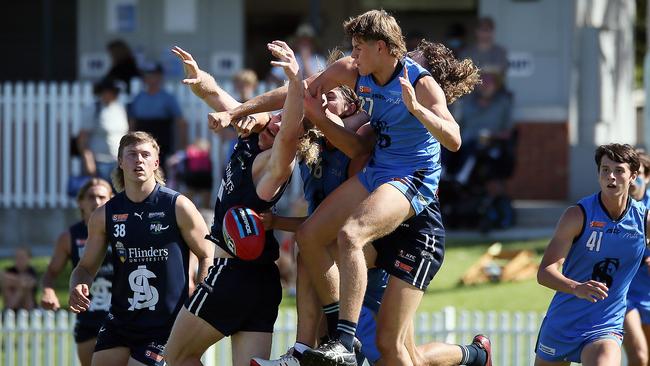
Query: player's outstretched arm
pixel 283 153
pixel 341 72
pixel 193 229
pixel 83 274
pixel 49 300
pixel 568 228
pixel 203 85
pixel 428 104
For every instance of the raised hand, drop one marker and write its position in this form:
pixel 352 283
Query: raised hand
pixel 591 291
pixel 286 58
pixel 408 93
pixel 192 72
pixel 190 66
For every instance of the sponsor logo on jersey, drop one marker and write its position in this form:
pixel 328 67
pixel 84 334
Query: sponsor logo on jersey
pixel 154 356
pixel 157 228
pixel 139 214
pixel 120 217
pixel 156 215
pixel 408 256
pixel 598 224
pixel 613 231
pixel 546 349
pixel 364 89
pixel 121 251
pixel 148 255
pixel 402 266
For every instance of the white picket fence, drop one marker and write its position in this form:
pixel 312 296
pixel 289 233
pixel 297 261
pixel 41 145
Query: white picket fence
pixel 44 338
pixel 37 121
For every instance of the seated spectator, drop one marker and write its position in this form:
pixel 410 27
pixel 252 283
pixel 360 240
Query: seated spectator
pixel 487 157
pixel 19 282
pixel 101 129
pixel 157 112
pixel 485 52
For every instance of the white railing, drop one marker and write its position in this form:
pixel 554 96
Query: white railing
pixel 44 338
pixel 37 121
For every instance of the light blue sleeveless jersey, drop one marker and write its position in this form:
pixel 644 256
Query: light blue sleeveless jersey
pixel 403 143
pixel 607 251
pixel 325 176
pixel 639 293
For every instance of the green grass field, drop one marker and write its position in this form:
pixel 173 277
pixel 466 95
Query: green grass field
pixel 444 289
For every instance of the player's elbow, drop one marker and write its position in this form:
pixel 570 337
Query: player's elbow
pixel 543 276
pixel 454 144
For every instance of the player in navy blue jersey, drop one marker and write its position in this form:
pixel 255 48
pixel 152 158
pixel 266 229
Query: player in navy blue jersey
pixel 151 231
pixel 599 243
pixel 70 246
pixel 240 298
pixel 637 318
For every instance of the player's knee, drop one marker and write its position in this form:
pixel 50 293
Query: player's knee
pixel 387 343
pixel 303 238
pixel 349 237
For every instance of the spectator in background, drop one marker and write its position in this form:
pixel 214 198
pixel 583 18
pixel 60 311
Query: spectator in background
pixel 413 39
pixel 157 112
pixel 309 60
pixel 487 157
pixel 123 64
pixel 455 38
pixel 191 169
pixel 101 130
pixel 485 53
pixel 19 282
pixel 245 85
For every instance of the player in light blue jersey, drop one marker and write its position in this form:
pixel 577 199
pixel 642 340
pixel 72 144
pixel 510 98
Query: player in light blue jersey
pixel 599 243
pixel 637 318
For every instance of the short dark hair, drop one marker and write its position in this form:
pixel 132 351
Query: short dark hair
pixel 620 153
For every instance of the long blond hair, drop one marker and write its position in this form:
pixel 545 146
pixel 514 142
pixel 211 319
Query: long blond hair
pixel 131 138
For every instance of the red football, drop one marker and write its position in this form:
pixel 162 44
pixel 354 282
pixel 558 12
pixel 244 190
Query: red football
pixel 243 232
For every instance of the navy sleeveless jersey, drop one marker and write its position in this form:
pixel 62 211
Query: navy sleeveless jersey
pixel 609 251
pixel 403 143
pixel 150 259
pixel 329 172
pixel 100 290
pixel 237 188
